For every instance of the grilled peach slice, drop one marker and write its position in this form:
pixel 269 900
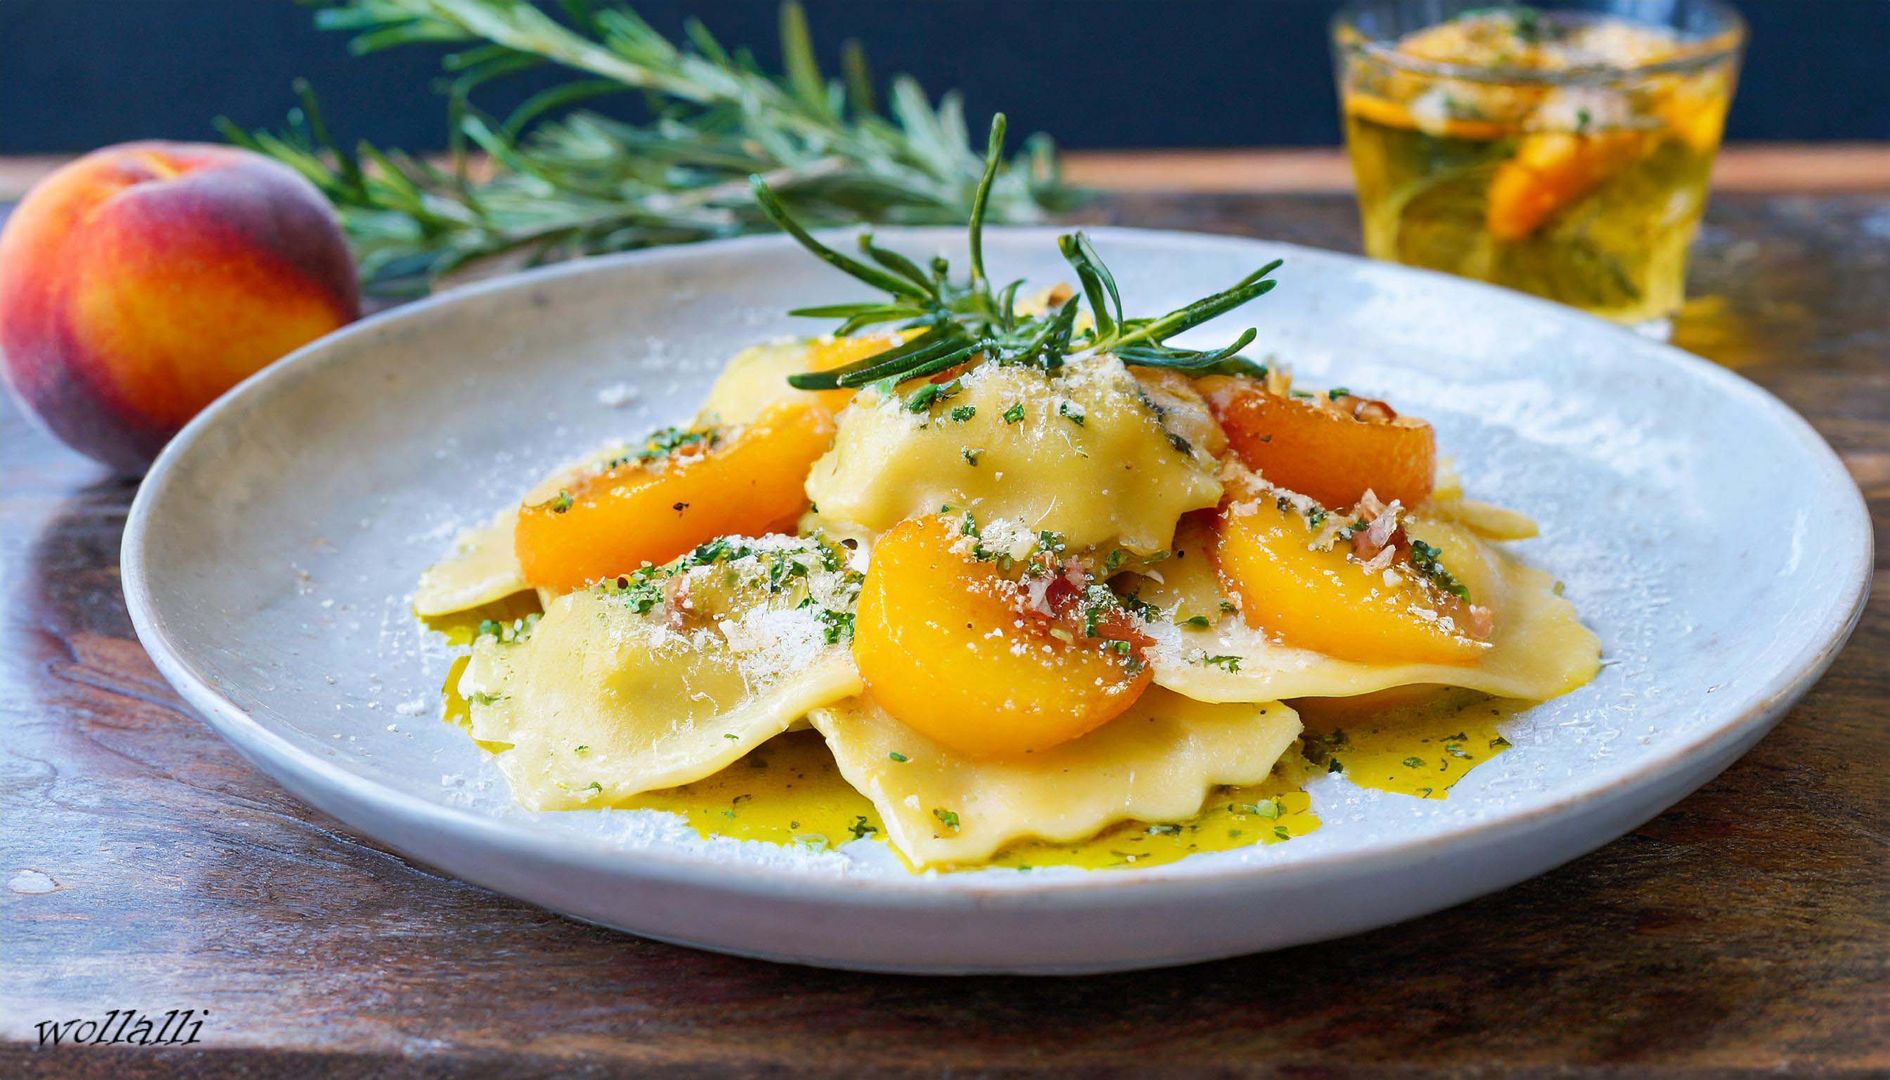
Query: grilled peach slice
pixel 1329 450
pixel 946 644
pixel 748 483
pixel 1550 171
pixel 1317 599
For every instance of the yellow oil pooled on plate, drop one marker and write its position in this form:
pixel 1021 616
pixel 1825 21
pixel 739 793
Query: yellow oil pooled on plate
pixel 460 627
pixel 1416 741
pixel 455 709
pixel 787 791
pixel 1233 817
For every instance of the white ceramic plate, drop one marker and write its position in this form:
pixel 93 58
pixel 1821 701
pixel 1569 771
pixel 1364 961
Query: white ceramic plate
pixel 1704 531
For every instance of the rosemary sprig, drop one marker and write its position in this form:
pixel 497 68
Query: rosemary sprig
pixel 582 183
pixel 963 322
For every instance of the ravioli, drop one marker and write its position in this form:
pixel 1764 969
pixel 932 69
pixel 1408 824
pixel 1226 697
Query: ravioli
pixel 481 569
pixel 1157 762
pixel 483 564
pixel 1539 648
pixel 1081 453
pixel 664 677
pixel 754 379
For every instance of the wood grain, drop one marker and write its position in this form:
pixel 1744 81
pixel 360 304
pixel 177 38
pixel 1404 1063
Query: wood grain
pixel 1747 928
pixel 1801 168
pixel 1761 167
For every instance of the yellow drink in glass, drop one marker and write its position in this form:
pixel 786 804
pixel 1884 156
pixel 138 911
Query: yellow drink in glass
pixel 1562 150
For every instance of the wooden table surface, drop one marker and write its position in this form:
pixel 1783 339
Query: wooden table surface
pixel 149 868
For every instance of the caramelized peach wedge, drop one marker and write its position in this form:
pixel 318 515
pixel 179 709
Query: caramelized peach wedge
pixel 1350 586
pixel 1331 447
pixel 989 664
pixel 683 488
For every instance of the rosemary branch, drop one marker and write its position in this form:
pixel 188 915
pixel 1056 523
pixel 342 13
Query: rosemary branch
pixel 567 182
pixel 970 323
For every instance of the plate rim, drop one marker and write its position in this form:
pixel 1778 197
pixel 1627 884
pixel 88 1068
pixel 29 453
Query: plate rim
pixel 1836 618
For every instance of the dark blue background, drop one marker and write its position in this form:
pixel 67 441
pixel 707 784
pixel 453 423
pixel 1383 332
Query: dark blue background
pixel 1096 73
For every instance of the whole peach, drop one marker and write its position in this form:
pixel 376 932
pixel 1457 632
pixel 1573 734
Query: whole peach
pixel 140 281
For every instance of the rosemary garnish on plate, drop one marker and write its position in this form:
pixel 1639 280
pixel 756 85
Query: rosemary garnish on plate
pixel 553 184
pixel 964 322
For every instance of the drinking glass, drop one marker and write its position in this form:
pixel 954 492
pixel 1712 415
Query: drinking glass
pixel 1562 148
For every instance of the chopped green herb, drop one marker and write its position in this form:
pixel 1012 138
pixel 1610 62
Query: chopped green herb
pixel 562 503
pixel 1225 663
pixel 1424 557
pixel 860 828
pixel 1014 414
pixel 663 442
pixel 1164 830
pixel 897 756
pixel 932 393
pixel 971 454
pixel 1499 743
pixel 948 818
pixel 506 633
pixel 595 786
pixel 580 748
pixel 836 626
pixel 1280 831
pixel 1149 612
pixel 1071 411
pixel 1414 763
pixel 1337 392
pixel 962 413
pixel 1196 622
